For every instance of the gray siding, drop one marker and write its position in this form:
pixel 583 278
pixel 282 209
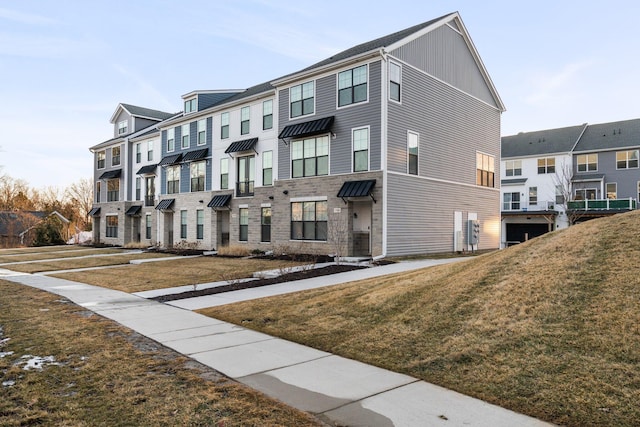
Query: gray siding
pixel 421 214
pixel 206 100
pixel 122 116
pixel 143 123
pixel 444 54
pixel 452 127
pixel 626 179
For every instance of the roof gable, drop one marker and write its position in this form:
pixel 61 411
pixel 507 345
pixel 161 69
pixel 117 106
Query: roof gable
pixel 612 135
pixel 136 111
pixel 548 141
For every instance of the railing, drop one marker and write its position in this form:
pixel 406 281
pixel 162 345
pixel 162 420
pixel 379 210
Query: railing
pixel 522 207
pixel 602 204
pixel 149 200
pixel 244 188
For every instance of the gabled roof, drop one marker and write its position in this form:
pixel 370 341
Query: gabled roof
pixel 143 112
pixel 548 141
pixel 612 135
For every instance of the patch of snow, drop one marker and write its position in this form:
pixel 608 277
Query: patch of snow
pixel 8 383
pixel 5 354
pixel 37 362
pixel 80 238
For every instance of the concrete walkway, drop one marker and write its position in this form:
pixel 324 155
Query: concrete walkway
pixel 338 390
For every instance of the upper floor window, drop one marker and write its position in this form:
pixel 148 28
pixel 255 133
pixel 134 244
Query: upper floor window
pixel 171 141
pixel 352 86
pixel 123 126
pixel 587 162
pixel 197 176
pixel 612 190
pixel 533 195
pixel 267 114
pixel 150 150
pixel 485 170
pixel 412 153
pixel 115 156
pixel 224 173
pixel 360 150
pixel 547 165
pixel 302 99
pixel 224 125
pixel 173 179
pixel 138 188
pixel 627 159
pixel 267 168
pixel 245 120
pixel 138 153
pixel 246 171
pixel 101 156
pixel 202 132
pixel 513 167
pixel 113 190
pixel 185 136
pixel 190 105
pixel 395 73
pixel 310 157
pixel 98 186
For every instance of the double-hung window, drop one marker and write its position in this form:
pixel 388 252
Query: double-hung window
pixel 173 179
pixel 513 167
pixel 224 125
pixel 138 188
pixel 183 224
pixel 302 99
pixel 202 132
pixel 115 156
pixel 244 224
pixel 587 162
pixel 199 224
pixel 627 159
pixel 245 120
pixel 267 114
pixel 485 170
pixel 190 105
pixel 224 173
pixel 352 86
pixel 533 196
pixel 511 201
pixel 138 153
pixel 150 151
pixel 148 226
pixel 101 156
pixel 412 153
pixel 309 220
pixel 267 168
pixel 123 127
pixel 171 141
pixel 112 226
pixel 113 190
pixel 361 150
pixel 98 186
pixel 310 157
pixel 185 136
pixel 612 190
pixel 546 165
pixel 197 176
pixel 265 224
pixel 395 73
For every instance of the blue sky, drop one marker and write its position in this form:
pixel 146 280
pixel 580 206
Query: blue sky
pixel 66 64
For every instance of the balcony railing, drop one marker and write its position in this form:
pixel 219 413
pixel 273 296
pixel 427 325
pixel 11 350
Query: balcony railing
pixel 244 188
pixel 523 207
pixel 149 200
pixel 602 204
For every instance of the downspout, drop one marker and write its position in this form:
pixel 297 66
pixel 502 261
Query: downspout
pixel 383 149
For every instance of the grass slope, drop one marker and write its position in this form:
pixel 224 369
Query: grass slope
pixel 550 328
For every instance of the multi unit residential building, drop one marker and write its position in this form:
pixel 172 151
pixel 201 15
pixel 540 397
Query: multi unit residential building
pixel 387 148
pixel 556 177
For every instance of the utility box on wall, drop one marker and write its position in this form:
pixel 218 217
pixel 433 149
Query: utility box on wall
pixel 473 231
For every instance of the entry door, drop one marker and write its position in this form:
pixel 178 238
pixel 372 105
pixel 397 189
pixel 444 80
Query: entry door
pixel 361 229
pixel 136 229
pixel 96 229
pixel 168 229
pixel 223 228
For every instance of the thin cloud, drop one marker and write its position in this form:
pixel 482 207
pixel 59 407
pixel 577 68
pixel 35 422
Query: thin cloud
pixel 41 47
pixel 549 87
pixel 145 90
pixel 24 18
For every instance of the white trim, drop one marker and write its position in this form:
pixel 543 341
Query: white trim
pixel 368 128
pixel 446 181
pixel 399 65
pixel 352 104
pixel 308 199
pixel 265 205
pixel 243 206
pixel 315 86
pixel 417 134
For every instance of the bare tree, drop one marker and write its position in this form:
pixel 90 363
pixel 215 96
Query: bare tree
pixel 339 234
pixel 80 196
pixel 563 179
pixel 10 189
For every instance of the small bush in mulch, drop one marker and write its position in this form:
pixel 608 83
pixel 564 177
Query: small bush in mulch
pixel 235 286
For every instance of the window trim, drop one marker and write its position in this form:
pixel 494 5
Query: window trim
pixel 202 141
pixel 302 114
pixel 315 221
pixel 171 140
pixel 546 165
pixel 224 172
pixel 510 165
pixel 174 184
pixel 138 188
pixel 265 228
pixel 490 171
pixel 224 125
pixel 199 224
pixel 242 218
pixel 397 101
pixel 138 152
pixel 113 195
pixel 586 163
pixel 185 136
pixel 352 103
pixel 147 226
pixel 101 159
pixel 628 159
pixel 123 127
pixel 114 156
pixel 512 204
pixel 111 231
pixel 533 201
pixel 193 105
pixel 201 179
pixel 264 115
pixel 98 191
pixel 183 223
pixel 149 151
pixel 615 193
pixel 417 155
pixel 245 111
pixel 368 150
pixel 265 167
pixel 315 138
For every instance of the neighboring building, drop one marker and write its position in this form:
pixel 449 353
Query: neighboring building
pixel 16 227
pixel 556 177
pixel 388 148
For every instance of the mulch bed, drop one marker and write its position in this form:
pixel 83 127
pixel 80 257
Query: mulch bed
pixel 234 286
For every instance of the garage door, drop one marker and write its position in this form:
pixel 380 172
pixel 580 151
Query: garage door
pixel 517 232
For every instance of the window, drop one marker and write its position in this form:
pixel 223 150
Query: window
pixel 115 156
pixel 360 150
pixel 183 224
pixel 612 190
pixel 101 156
pixel 150 151
pixel 224 125
pixel 148 226
pixel 485 170
pixel 150 186
pixel 173 179
pixel 267 168
pixel 113 190
pixel 587 162
pixel 98 184
pixel 112 226
pixel 224 173
pixel 267 115
pixel 309 221
pixel 302 99
pixel 412 153
pixel 394 81
pixel 199 224
pixel 197 176
pixel 310 157
pixel 246 168
pixel 627 159
pixel 586 194
pixel 559 194
pixel 513 167
pixel 202 132
pixel 511 201
pixel 171 142
pixel 245 120
pixel 190 105
pixel 122 127
pixel 138 153
pixel 138 188
pixel 533 196
pixel 547 165
pixel 352 86
pixel 265 225
pixel 244 224
pixel 185 136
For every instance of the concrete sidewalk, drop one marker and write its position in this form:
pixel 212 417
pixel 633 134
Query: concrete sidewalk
pixel 338 390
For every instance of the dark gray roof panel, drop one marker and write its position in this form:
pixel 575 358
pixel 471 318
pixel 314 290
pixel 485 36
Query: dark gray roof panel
pixel 170 160
pixel 147 112
pixel 220 201
pixel 147 170
pixel 133 210
pixel 194 155
pixel 561 140
pixel 612 135
pixel 165 204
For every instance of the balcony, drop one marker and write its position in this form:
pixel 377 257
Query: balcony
pixel 517 206
pixel 244 188
pixel 602 205
pixel 149 200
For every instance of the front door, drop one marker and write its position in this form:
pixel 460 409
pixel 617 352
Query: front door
pixel 223 228
pixel 168 229
pixel 361 229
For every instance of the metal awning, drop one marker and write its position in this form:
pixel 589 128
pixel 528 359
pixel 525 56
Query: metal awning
pixel 587 177
pixel 357 189
pixel 192 156
pixel 147 170
pixel 94 212
pixel 170 160
pixel 313 127
pixel 165 204
pixel 244 145
pixel 133 210
pixel 111 174
pixel 220 201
